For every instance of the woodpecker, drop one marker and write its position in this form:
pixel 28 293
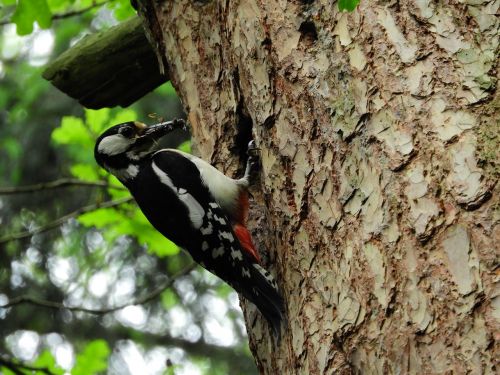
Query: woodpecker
pixel 194 205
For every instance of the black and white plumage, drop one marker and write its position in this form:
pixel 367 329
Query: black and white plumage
pixel 194 205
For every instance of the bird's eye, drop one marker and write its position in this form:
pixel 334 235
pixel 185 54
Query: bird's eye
pixel 127 131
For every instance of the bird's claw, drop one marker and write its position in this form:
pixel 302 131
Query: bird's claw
pixel 252 150
pixel 253 159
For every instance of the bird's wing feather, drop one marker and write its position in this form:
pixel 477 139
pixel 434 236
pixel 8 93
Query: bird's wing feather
pixel 220 250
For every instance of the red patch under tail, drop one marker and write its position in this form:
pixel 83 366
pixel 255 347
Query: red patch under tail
pixel 246 241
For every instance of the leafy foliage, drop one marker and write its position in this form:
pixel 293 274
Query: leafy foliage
pixel 30 11
pixel 121 9
pixel 46 360
pixel 93 359
pixel 348 5
pixel 27 13
pixel 93 260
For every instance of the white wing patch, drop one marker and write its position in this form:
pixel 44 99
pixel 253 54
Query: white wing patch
pixel 196 211
pixel 223 188
pixel 114 145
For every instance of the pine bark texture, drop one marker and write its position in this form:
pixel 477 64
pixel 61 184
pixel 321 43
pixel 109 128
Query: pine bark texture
pixel 377 208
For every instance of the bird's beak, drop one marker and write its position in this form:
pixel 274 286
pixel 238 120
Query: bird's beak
pixel 155 132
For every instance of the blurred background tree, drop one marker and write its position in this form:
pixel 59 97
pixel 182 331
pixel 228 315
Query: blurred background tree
pixel 87 286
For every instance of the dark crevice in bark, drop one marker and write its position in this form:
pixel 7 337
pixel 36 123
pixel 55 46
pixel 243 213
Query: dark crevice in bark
pixel 269 122
pixel 304 205
pixel 243 132
pixel 244 123
pixel 308 32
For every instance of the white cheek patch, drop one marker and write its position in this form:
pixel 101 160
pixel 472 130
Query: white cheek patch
pixel 114 145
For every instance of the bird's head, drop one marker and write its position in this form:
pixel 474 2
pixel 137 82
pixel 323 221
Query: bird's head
pixel 123 146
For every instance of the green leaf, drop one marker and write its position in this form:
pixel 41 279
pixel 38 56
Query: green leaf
pixel 93 359
pixel 60 5
pixel 97 120
pixel 150 237
pixel 123 116
pixel 72 131
pixel 223 290
pixel 77 138
pixel 101 218
pixel 169 299
pixel 116 193
pixel 7 2
pixel 171 369
pixel 348 5
pixel 167 89
pixel 12 146
pixel 122 9
pixel 6 371
pixel 29 11
pixel 130 221
pixel 46 359
pixel 85 172
pixel 185 146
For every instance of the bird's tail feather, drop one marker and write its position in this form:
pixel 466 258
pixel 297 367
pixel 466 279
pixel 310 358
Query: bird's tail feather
pixel 266 296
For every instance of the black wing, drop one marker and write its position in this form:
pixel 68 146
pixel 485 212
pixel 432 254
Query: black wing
pixel 209 237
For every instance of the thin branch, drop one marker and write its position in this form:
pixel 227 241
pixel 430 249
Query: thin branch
pixel 63 219
pixel 16 367
pixel 71 13
pixel 63 182
pixel 139 301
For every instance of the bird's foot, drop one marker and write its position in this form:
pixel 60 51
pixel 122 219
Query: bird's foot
pixel 252 161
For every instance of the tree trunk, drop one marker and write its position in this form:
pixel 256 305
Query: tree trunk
pixel 377 207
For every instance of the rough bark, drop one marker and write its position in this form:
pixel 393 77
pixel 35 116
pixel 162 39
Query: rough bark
pixel 377 203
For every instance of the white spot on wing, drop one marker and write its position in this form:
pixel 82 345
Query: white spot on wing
pixel 196 211
pixel 206 230
pixel 114 144
pixel 204 246
pixel 245 272
pixel 236 254
pixel 132 170
pixel 227 235
pixel 220 219
pixel 266 274
pixel 217 252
